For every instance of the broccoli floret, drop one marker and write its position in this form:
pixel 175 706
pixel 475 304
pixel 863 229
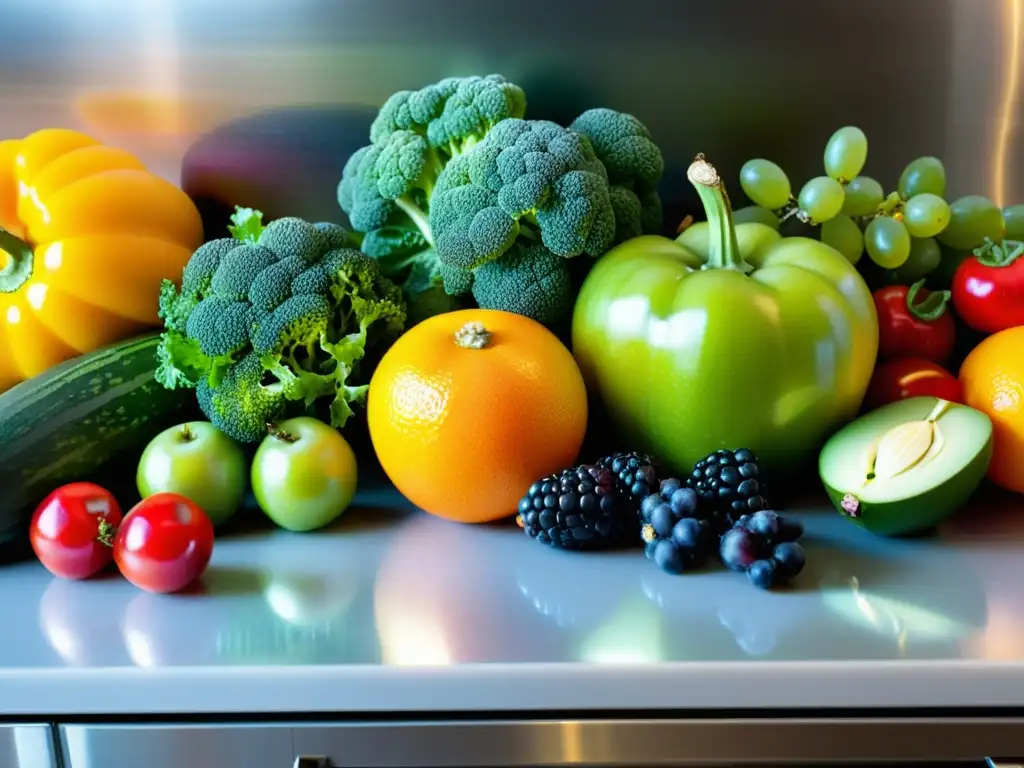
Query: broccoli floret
pixel 628 213
pixel 529 280
pixel 635 166
pixel 285 322
pixel 198 273
pixel 456 281
pixel 526 173
pixel 358 194
pixel 242 405
pixel 239 267
pixel 220 325
pixel 412 110
pixel 336 236
pixel 294 237
pixel 273 284
pixel 477 105
pixel 406 163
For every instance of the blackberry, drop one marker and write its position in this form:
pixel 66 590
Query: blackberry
pixel 730 484
pixel 763 545
pixel 674 534
pixel 636 474
pixel 578 508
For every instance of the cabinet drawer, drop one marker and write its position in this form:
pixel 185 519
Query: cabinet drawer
pixel 27 746
pixel 224 745
pixel 638 743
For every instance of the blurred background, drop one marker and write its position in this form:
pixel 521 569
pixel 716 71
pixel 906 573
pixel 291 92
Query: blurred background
pixel 259 102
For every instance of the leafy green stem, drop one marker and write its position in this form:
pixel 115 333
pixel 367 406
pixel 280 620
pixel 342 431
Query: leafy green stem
pixel 418 217
pixel 930 308
pixel 999 254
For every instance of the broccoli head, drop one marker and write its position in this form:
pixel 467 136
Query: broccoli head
pixel 634 164
pixel 528 177
pixel 455 179
pixel 529 280
pixel 279 325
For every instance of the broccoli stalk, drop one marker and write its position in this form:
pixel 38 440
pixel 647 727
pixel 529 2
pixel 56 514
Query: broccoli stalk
pixel 458 194
pixel 276 320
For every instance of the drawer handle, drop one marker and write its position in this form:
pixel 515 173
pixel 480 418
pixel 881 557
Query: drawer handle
pixel 307 761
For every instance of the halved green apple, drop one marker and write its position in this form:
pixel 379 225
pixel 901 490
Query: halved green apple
pixel 906 466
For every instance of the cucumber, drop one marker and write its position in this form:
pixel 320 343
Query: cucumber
pixel 64 424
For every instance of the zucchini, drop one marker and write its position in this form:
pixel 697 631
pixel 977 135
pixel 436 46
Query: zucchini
pixel 64 424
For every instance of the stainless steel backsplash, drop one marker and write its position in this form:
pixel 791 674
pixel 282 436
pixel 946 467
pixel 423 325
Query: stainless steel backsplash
pixel 266 98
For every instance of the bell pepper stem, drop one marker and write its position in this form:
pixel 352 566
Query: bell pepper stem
pixel 999 254
pixel 930 308
pixel 20 261
pixel 723 248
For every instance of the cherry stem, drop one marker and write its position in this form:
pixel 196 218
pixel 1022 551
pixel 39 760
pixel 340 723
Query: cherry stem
pixel 20 261
pixel 929 309
pixel 999 254
pixel 275 431
pixel 106 533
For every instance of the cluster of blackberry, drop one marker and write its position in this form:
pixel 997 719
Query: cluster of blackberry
pixel 721 507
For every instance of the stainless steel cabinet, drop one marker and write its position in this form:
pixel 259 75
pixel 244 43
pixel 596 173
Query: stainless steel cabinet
pixel 704 742
pixel 27 746
pixel 485 744
pixel 259 745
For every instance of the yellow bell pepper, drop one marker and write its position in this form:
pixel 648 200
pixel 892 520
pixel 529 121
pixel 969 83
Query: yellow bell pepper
pixel 87 234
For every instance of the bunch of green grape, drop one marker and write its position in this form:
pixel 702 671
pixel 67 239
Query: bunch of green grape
pixel 904 230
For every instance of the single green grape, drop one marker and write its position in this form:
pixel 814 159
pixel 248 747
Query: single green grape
pixel 863 196
pixel 925 256
pixel 846 153
pixel 843 234
pixel 1013 218
pixel 923 175
pixel 755 213
pixel 821 199
pixel 887 242
pixel 925 215
pixel 972 218
pixel 765 183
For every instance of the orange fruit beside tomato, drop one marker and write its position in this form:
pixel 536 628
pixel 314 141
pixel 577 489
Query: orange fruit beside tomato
pixel 468 408
pixel 993 382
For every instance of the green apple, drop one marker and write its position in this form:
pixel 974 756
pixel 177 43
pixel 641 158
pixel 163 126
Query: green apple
pixel 198 461
pixel 304 474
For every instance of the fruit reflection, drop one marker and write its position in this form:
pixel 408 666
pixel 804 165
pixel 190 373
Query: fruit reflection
pixel 80 620
pixel 443 594
pixel 906 596
pixel 635 634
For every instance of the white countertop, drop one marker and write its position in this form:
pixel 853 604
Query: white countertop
pixel 393 610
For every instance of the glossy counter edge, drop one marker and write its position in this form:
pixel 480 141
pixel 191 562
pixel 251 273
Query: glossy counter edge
pixel 511 688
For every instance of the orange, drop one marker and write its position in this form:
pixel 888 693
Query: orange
pixel 993 382
pixel 468 408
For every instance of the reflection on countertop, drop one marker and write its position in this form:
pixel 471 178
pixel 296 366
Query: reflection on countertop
pixel 388 585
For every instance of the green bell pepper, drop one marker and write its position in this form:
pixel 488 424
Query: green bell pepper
pixel 745 339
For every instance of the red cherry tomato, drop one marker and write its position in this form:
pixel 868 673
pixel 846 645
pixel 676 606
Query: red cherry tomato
pixel 911 377
pixel 72 529
pixel 914 323
pixel 164 543
pixel 988 288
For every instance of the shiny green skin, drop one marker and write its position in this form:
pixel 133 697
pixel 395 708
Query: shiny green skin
pixel 305 483
pixel 688 361
pixel 940 493
pixel 198 461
